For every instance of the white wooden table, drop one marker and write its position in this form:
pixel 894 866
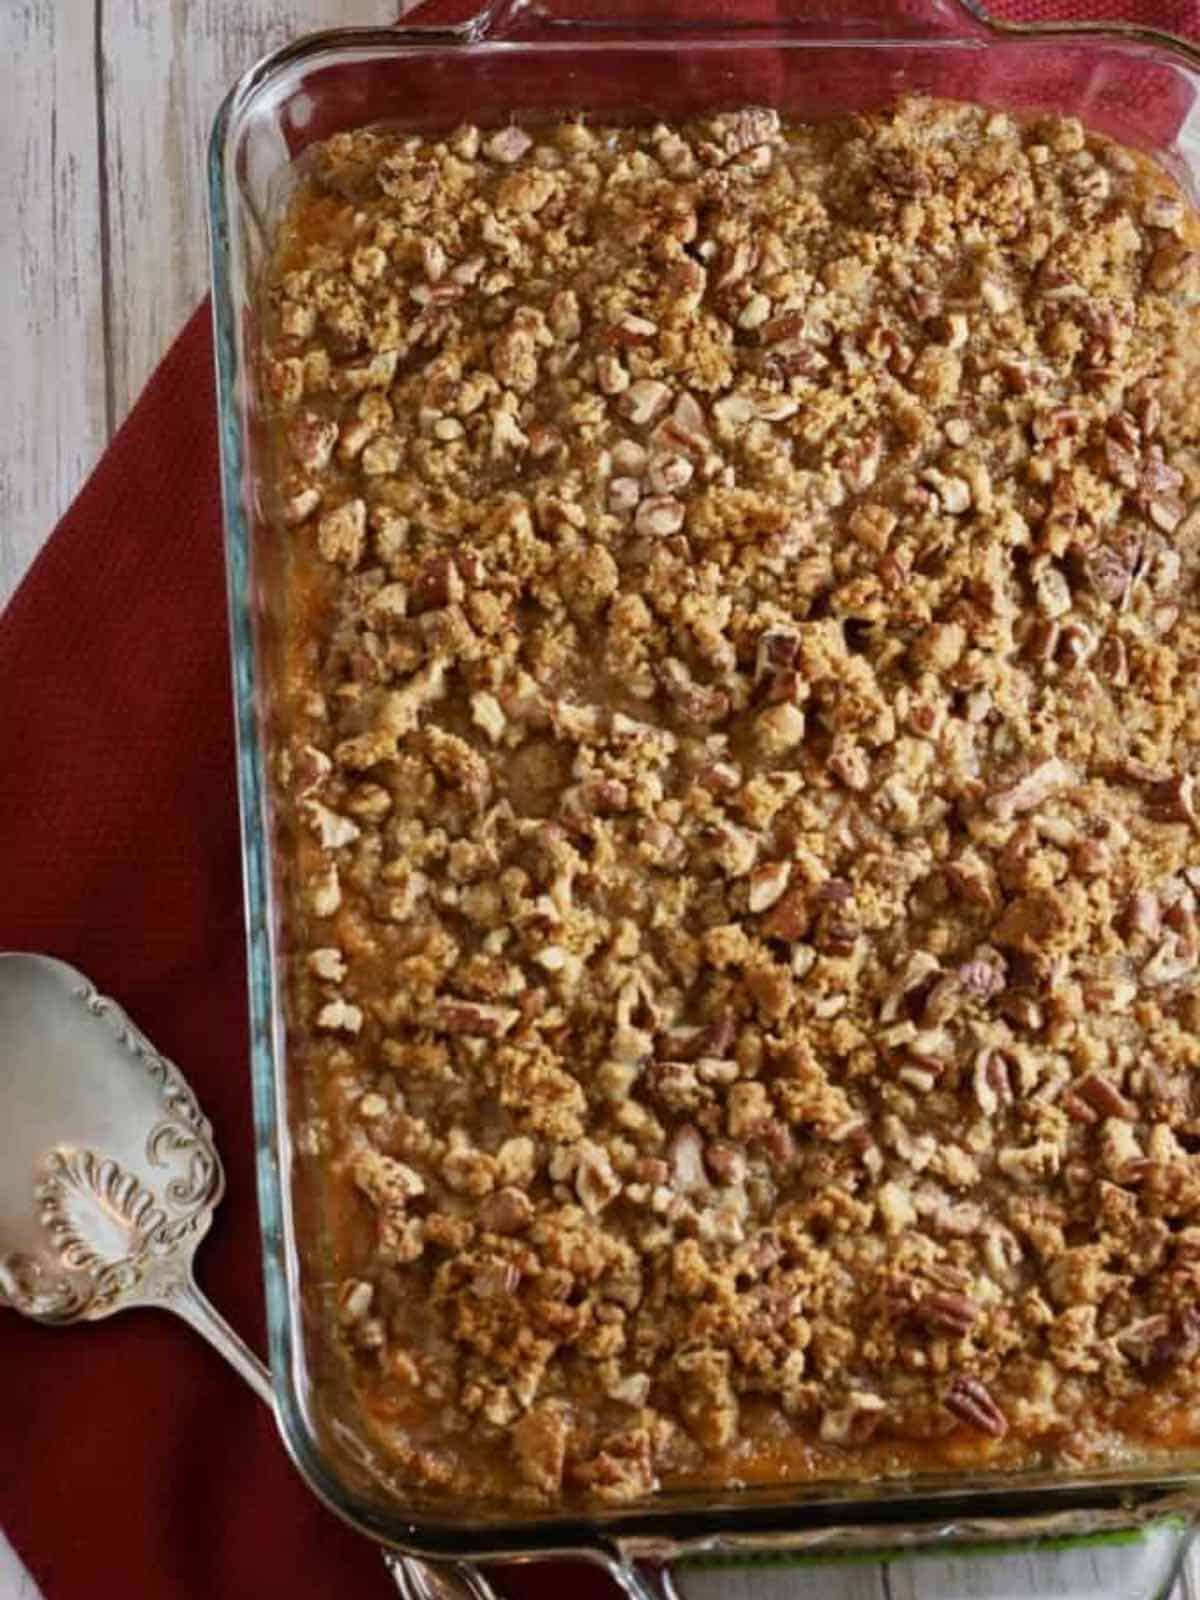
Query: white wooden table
pixel 106 111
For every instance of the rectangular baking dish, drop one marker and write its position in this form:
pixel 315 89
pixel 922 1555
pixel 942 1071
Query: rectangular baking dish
pixel 510 61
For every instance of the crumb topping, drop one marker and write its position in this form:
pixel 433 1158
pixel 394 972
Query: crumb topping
pixel 739 793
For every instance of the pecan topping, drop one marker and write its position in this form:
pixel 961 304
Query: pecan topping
pixel 1174 799
pixel 968 1399
pixel 466 1016
pixel 993 1078
pixel 736 789
pixel 1033 789
pixel 983 975
pixel 1093 1097
pixel 686 1156
pixel 789 918
pixel 946 1313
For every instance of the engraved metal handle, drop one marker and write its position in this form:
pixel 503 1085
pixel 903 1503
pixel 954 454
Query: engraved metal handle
pixel 187 1302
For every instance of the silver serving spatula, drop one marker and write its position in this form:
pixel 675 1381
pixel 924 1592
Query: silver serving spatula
pixel 108 1181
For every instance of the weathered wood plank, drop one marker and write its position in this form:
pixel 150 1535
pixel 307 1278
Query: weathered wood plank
pixel 821 1582
pixel 1105 1573
pixel 167 64
pixel 118 181
pixel 52 398
pixel 15 1582
pixel 1101 1573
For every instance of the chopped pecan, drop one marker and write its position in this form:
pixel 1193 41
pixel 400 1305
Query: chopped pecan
pixel 669 472
pixel 341 533
pixel 983 975
pixel 1174 800
pixel 468 1016
pixel 1033 789
pixel 507 145
pixel 777 650
pixel 1143 914
pixel 726 1163
pixel 332 830
pixel 1110 573
pixel 860 463
pixel 779 728
pixel 696 701
pixel 1171 961
pixel 1027 1164
pixel 856 1421
pixel 954 494
pixel 1093 1096
pixel 596 1184
pixel 507 1210
pixel 733 849
pixel 946 1313
pixel 686 1155
pixel 789 918
pixel 916 974
pixel 1142 1340
pixel 767 884
pixel 311 439
pixel 298 506
pixel 354 1301
pixel 328 964
pixel 970 877
pixel 644 401
pixel 1121 1156
pixel 540 1445
pixel 659 515
pixel 339 1016
pixel 597 797
pixel 674 1084
pixel 969 1400
pixel 437 584
pixel 632 330
pixel 713 1039
pixel 994 1081
pixel 850 765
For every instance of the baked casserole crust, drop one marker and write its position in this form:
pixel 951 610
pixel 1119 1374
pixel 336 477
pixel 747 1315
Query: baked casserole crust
pixel 741 709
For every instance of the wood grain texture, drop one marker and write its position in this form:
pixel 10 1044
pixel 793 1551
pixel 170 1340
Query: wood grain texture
pixel 1113 1573
pixel 824 1582
pixel 106 110
pixel 166 67
pixel 107 106
pixel 52 410
pixel 15 1582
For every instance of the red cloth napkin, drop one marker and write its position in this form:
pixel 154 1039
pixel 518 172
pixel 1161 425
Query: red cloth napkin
pixel 133 1462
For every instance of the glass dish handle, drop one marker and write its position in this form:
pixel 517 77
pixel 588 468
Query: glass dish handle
pixel 437 1580
pixel 891 19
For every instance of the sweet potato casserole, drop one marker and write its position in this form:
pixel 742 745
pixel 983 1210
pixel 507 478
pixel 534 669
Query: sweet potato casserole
pixel 741 708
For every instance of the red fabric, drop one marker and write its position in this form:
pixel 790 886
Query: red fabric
pixel 133 1461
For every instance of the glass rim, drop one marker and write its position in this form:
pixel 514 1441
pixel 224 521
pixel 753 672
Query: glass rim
pixel 771 1517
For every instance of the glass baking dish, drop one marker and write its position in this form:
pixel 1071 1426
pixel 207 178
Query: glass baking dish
pixel 508 61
